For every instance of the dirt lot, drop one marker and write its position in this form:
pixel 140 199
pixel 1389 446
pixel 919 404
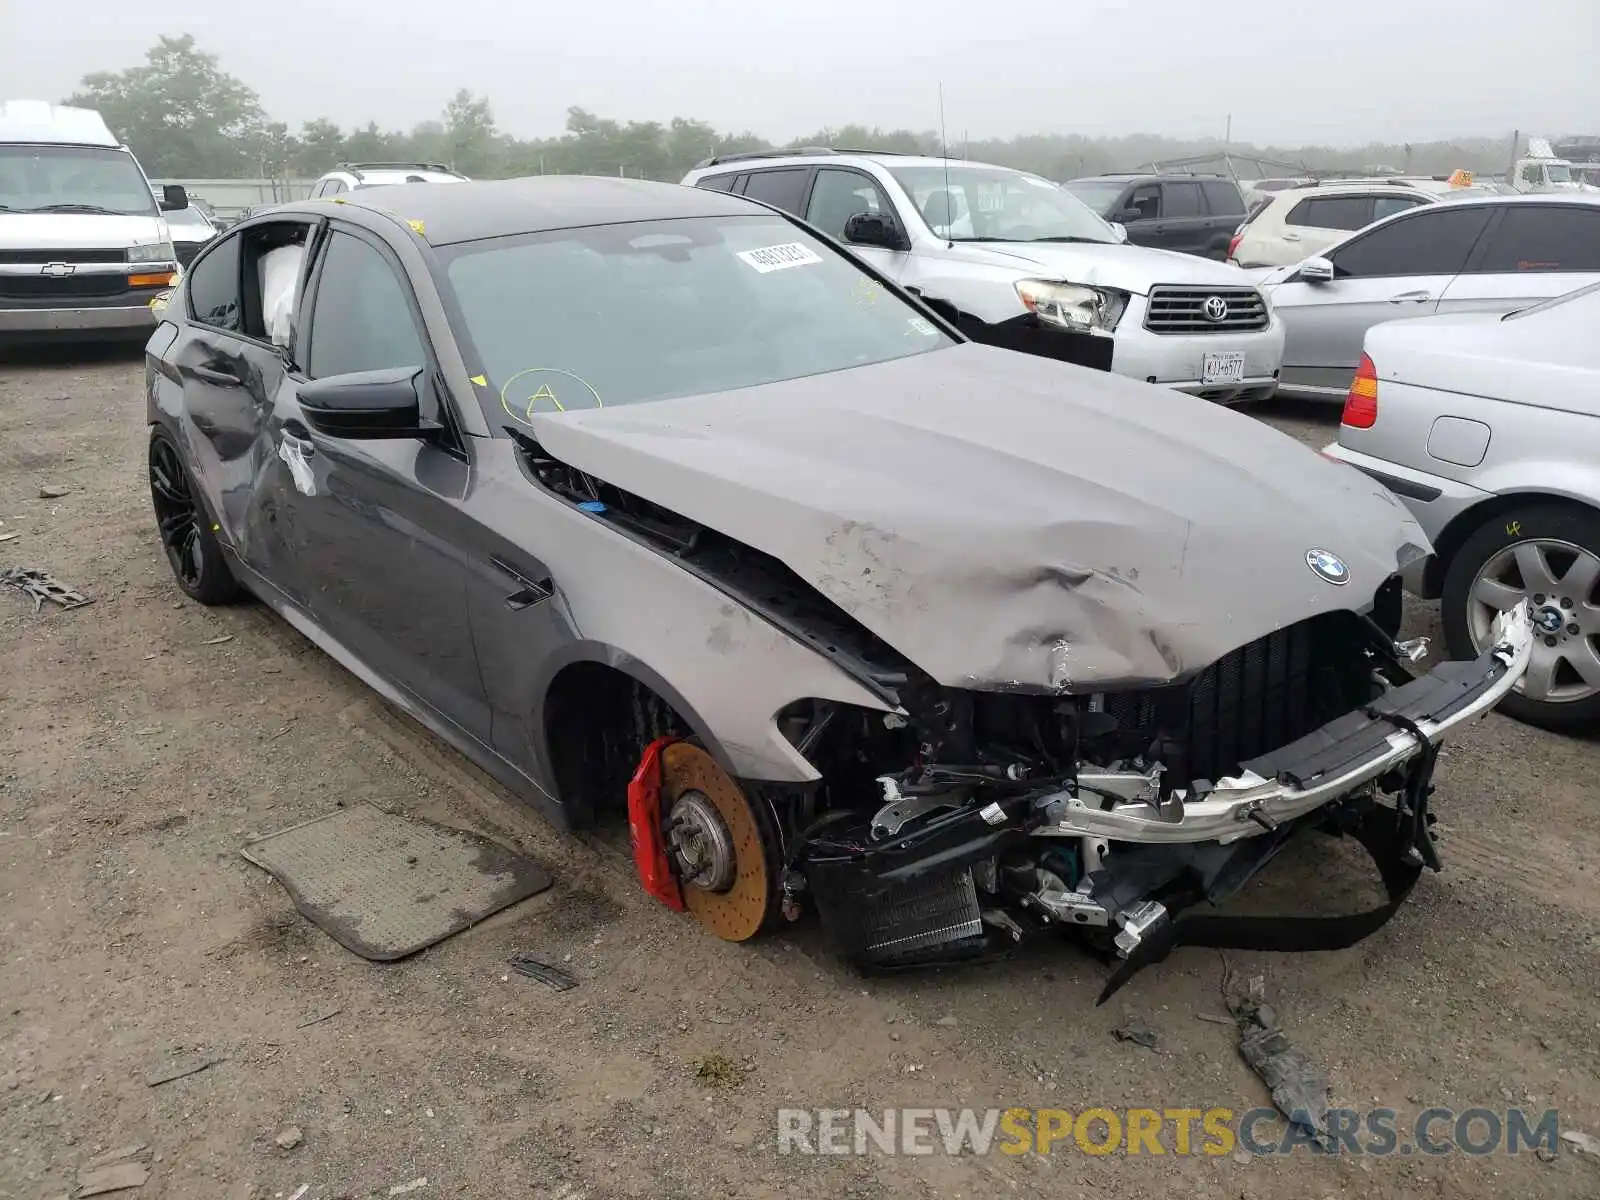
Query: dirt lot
pixel 136 753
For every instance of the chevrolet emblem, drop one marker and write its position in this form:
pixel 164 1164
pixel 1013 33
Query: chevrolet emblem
pixel 57 270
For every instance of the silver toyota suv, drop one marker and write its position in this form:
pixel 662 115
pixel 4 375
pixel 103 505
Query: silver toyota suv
pixel 1019 262
pixel 347 177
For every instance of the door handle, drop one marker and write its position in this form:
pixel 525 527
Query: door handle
pixel 1291 237
pixel 532 590
pixel 1410 298
pixel 220 378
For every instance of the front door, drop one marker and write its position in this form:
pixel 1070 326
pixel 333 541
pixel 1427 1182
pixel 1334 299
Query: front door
pixel 837 195
pixel 367 532
pixel 1400 269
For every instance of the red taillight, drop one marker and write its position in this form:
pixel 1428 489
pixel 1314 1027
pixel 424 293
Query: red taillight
pixel 1361 405
pixel 1233 246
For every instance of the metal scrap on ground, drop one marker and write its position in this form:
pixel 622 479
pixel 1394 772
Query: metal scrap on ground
pixel 181 1069
pixel 531 967
pixel 1299 1090
pixel 42 587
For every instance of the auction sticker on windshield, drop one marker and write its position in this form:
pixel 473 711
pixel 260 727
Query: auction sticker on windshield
pixel 776 258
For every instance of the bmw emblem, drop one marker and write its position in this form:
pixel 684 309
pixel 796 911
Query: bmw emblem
pixel 1328 566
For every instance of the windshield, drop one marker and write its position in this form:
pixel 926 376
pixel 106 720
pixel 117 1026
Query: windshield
pixel 1559 172
pixel 1098 194
pixel 73 179
pixel 621 314
pixel 993 204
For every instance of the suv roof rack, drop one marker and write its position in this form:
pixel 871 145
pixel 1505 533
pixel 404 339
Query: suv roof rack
pixel 356 168
pixel 717 160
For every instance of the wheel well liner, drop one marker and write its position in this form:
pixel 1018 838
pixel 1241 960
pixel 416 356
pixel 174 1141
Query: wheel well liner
pixel 596 717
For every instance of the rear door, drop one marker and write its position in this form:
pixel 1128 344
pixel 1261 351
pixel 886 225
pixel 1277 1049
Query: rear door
pixel 1533 251
pixel 1398 269
pixel 370 532
pixel 229 374
pixel 783 187
pixel 1184 224
pixel 1227 212
pixel 1318 222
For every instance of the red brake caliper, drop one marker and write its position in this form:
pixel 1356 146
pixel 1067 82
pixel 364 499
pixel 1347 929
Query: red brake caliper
pixel 644 824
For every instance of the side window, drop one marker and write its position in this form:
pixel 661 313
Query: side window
pixel 1435 241
pixel 1532 173
pixel 718 183
pixel 361 314
pixel 1147 201
pixel 1336 212
pixel 319 191
pixel 1181 200
pixel 839 195
pixel 1223 197
pixel 213 287
pixel 335 186
pixel 1543 237
pixel 784 187
pixel 1387 206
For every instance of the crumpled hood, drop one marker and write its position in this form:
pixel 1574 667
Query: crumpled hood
pixel 1007 522
pixel 79 231
pixel 1128 267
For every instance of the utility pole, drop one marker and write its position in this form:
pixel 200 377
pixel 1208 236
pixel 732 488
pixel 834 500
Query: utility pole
pixel 1227 136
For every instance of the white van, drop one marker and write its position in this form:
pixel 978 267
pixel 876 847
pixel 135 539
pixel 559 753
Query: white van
pixel 84 247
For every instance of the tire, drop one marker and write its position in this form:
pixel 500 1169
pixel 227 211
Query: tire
pixel 185 528
pixel 1549 553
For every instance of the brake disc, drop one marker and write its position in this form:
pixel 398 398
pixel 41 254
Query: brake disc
pixel 715 840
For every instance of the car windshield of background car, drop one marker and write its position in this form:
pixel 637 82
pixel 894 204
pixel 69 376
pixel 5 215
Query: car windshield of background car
pixel 619 314
pixel 991 204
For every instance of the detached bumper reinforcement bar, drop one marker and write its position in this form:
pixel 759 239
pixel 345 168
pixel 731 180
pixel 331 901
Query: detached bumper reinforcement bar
pixel 1328 763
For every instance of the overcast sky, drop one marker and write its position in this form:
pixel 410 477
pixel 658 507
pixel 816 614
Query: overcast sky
pixel 1289 71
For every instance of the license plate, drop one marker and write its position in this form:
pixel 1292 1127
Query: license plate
pixel 1223 368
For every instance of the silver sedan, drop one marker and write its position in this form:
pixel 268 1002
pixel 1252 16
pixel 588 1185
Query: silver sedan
pixel 1492 254
pixel 1488 429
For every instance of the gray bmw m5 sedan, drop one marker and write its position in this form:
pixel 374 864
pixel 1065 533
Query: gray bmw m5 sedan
pixel 662 507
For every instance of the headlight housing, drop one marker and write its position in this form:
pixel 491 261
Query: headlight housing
pixel 152 252
pixel 1073 306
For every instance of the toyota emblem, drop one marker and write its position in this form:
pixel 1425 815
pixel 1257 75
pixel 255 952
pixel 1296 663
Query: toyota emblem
pixel 1216 308
pixel 57 270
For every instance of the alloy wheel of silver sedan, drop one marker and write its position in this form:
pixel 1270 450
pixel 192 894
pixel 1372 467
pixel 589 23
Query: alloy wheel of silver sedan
pixel 1549 555
pixel 1559 579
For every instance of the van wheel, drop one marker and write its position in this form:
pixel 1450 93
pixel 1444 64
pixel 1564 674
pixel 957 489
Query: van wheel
pixel 1549 555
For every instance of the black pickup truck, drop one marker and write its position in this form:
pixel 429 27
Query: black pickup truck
pixel 1196 214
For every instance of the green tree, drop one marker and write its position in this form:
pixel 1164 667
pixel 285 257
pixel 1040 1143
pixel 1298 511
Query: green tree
pixel 473 143
pixel 321 146
pixel 179 111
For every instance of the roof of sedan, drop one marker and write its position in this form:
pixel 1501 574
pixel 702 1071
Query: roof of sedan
pixel 503 207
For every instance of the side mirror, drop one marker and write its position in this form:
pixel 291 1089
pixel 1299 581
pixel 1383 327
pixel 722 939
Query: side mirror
pixel 367 404
pixel 1121 230
pixel 1127 214
pixel 1315 270
pixel 174 198
pixel 872 229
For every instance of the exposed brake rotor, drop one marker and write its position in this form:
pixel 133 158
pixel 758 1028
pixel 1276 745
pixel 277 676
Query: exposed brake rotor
pixel 715 842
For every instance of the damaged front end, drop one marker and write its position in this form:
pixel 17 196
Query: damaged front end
pixel 1119 814
pixel 952 822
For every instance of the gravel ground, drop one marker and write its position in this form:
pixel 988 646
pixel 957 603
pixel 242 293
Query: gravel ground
pixel 137 752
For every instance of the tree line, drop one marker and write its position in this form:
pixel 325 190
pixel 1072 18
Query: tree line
pixel 186 118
